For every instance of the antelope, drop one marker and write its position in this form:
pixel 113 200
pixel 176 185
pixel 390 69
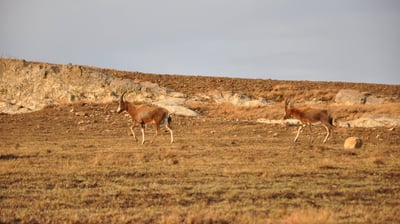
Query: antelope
pixel 145 114
pixel 308 117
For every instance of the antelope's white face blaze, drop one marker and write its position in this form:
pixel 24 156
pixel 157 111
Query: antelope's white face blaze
pixel 121 105
pixel 119 110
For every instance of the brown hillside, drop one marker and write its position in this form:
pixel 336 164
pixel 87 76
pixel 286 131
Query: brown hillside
pixel 75 161
pixel 271 89
pixel 321 94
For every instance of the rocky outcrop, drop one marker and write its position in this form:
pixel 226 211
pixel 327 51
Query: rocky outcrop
pixel 236 99
pixel 352 97
pixel 31 86
pixel 28 86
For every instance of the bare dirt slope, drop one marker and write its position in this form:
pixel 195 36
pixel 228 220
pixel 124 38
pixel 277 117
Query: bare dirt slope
pixel 77 163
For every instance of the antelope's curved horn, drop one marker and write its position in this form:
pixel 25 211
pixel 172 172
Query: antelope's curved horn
pixel 122 96
pixel 287 103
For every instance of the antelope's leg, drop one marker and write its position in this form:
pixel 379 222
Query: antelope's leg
pixel 142 126
pixel 298 133
pixel 311 135
pixel 157 129
pixel 327 133
pixel 168 126
pixel 133 132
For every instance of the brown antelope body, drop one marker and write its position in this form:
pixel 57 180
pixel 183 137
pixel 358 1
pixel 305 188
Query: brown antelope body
pixel 145 114
pixel 308 117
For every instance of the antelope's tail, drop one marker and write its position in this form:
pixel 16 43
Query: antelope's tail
pixel 170 118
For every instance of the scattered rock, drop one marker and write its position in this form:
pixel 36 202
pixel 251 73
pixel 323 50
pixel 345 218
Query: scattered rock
pixel 179 110
pixel 352 143
pixel 352 97
pixel 374 100
pixel 349 97
pixel 237 99
pixel 177 95
pixel 81 114
pixel 287 122
pixel 371 121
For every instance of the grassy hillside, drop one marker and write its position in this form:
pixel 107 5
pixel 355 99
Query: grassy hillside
pixel 78 163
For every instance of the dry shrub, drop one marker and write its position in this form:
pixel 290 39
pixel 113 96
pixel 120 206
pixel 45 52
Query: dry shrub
pixel 311 216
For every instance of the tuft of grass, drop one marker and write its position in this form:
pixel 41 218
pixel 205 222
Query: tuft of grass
pixel 309 216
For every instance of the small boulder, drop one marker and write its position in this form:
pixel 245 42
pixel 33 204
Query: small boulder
pixel 352 143
pixel 349 97
pixel 374 100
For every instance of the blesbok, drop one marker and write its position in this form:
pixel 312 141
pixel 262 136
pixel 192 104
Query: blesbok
pixel 308 117
pixel 144 114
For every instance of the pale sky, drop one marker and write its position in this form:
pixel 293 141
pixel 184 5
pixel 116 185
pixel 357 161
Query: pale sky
pixel 317 40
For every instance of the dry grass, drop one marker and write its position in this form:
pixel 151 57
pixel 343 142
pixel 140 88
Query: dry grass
pixel 59 169
pixel 276 111
pixel 230 112
pixel 311 216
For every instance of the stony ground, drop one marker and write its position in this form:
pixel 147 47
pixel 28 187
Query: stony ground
pixel 78 164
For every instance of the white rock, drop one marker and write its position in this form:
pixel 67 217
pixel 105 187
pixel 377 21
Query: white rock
pixel 288 122
pixel 32 86
pixel 352 143
pixel 371 122
pixel 352 97
pixel 349 97
pixel 236 99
